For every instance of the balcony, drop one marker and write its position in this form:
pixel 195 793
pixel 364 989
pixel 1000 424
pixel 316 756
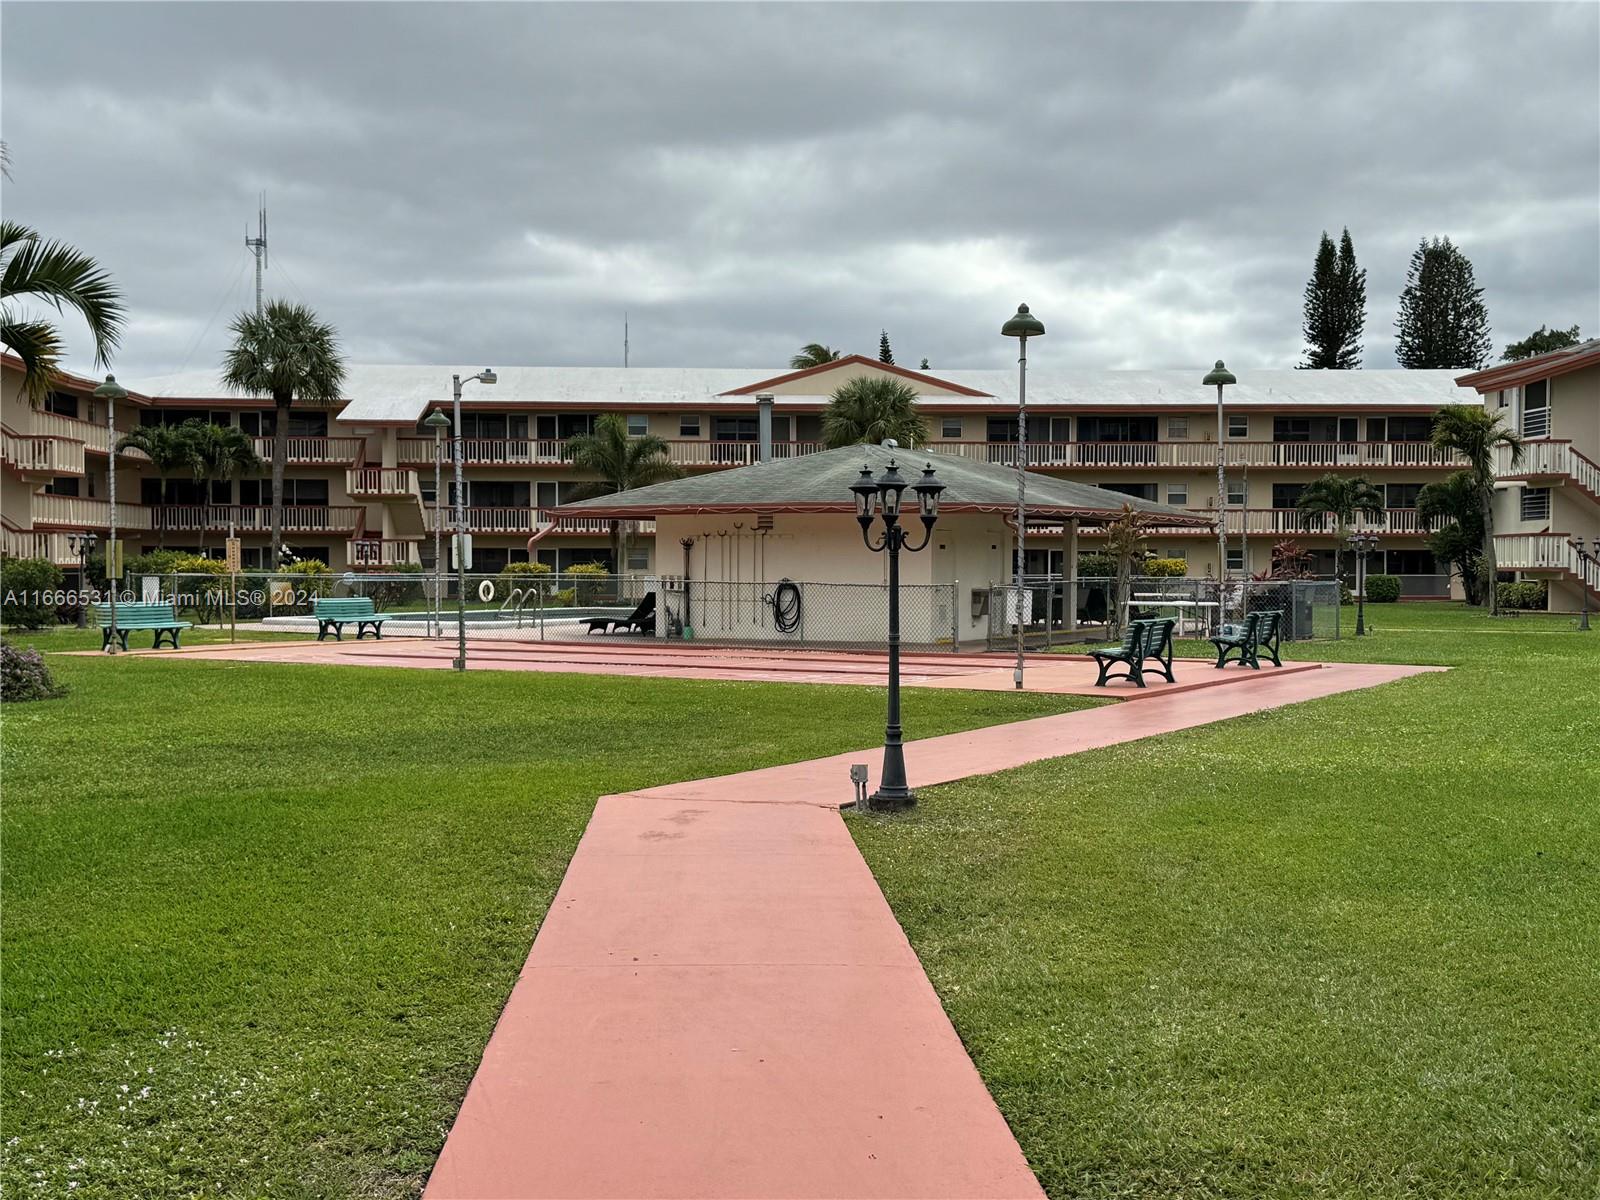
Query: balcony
pixel 382 483
pixel 1197 456
pixel 257 518
pixel 40 455
pixel 371 554
pixel 1290 522
pixel 39 543
pixel 314 451
pixel 1552 461
pixel 528 521
pixel 503 452
pixel 81 512
pixel 1545 554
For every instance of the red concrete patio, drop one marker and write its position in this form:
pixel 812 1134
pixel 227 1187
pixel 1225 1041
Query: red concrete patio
pixel 1061 673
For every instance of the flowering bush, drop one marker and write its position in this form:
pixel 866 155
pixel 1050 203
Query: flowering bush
pixel 23 676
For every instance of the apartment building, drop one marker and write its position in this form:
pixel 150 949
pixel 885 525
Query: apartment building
pixel 1552 496
pixel 362 495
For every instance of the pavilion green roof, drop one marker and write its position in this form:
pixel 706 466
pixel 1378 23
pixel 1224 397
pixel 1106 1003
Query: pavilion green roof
pixel 820 482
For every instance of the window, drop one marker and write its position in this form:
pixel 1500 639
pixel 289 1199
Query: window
pixel 1235 558
pixel 689 427
pixel 1535 504
pixel 638 558
pixel 1142 491
pixel 1178 494
pixel 62 403
pixel 548 493
pixel 62 485
pixel 1410 429
pixel 1286 495
pixel 950 427
pixel 1236 494
pixel 734 429
pixel 638 425
pixel 1290 429
pixel 1401 495
pixel 296 492
pixel 1177 428
pixel 1000 429
pixel 1536 409
pixel 1238 426
pixel 1502 398
pixel 1116 429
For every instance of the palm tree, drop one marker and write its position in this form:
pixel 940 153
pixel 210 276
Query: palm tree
pixel 1125 540
pixel 1344 498
pixel 1476 434
pixel 1450 508
pixel 217 453
pixel 870 410
pixel 623 463
pixel 813 354
pixel 287 353
pixel 169 451
pixel 62 277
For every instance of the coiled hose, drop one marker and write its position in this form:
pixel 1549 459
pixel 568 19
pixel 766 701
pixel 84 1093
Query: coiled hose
pixel 785 601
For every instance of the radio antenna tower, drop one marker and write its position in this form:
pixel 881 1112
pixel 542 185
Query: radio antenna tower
pixel 258 246
pixel 624 339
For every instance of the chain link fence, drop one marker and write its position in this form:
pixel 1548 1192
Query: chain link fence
pixel 518 605
pixel 1057 611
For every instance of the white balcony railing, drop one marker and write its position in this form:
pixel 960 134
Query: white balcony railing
pixel 40 543
pixel 257 518
pixel 1550 459
pixel 313 451
pixel 81 512
pixel 527 521
pixel 387 482
pixel 41 454
pixel 1203 455
pixel 373 553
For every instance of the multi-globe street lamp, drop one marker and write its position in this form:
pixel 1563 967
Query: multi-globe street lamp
pixel 1587 557
pixel 111 391
pixel 880 497
pixel 1363 544
pixel 83 544
pixel 1022 327
pixel 485 376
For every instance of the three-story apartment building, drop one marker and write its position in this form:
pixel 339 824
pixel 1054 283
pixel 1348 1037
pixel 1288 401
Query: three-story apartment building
pixel 1551 498
pixel 361 492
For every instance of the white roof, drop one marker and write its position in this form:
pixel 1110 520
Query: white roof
pixel 387 393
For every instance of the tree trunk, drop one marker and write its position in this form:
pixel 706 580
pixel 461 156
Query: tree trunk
pixel 1492 586
pixel 280 459
pixel 616 550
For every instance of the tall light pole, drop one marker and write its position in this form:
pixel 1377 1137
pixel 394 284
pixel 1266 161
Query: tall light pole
pixel 111 391
pixel 1221 377
pixel 437 422
pixel 1022 327
pixel 881 497
pixel 485 376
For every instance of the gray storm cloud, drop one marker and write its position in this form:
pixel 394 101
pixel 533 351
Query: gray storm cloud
pixel 498 183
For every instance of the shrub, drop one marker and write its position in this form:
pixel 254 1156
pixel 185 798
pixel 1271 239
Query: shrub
pixel 384 592
pixel 592 583
pixel 307 579
pixel 1096 566
pixel 520 575
pixel 1166 568
pixel 1382 589
pixel 23 676
pixel 1530 594
pixel 31 589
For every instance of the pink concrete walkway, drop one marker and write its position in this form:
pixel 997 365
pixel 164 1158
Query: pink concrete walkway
pixel 720 1002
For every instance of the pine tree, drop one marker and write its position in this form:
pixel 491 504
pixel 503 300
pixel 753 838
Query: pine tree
pixel 885 355
pixel 1336 307
pixel 924 366
pixel 1443 322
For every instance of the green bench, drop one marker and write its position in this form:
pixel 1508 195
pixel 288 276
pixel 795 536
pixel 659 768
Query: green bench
pixel 336 612
pixel 162 618
pixel 1146 640
pixel 1260 634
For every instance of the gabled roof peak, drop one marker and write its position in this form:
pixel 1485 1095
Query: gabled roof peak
pixel 855 360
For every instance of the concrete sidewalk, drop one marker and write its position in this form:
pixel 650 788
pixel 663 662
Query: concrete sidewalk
pixel 720 1003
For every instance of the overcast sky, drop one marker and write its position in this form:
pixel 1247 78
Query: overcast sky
pixel 497 183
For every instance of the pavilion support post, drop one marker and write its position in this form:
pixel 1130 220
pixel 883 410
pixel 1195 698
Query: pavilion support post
pixel 1069 574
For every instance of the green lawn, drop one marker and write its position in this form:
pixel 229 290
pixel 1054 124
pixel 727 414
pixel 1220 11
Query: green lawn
pixel 1346 948
pixel 259 920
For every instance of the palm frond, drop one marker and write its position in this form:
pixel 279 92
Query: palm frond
pixel 39 347
pixel 63 277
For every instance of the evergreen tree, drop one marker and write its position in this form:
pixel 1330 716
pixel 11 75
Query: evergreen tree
pixel 885 355
pixel 1336 307
pixel 924 366
pixel 1443 322
pixel 1541 341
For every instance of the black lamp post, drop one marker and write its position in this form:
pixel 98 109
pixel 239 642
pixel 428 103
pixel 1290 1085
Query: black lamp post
pixel 1586 558
pixel 876 497
pixel 1022 327
pixel 83 544
pixel 1363 544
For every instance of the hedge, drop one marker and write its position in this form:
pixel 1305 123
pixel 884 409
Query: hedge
pixel 1530 594
pixel 32 589
pixel 1383 589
